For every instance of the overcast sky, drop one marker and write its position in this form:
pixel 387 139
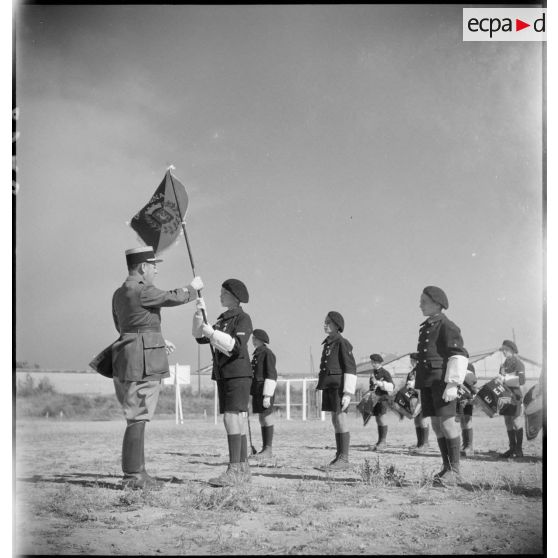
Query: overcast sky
pixel 336 157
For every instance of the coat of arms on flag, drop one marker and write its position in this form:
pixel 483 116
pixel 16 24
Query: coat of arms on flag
pixel 158 223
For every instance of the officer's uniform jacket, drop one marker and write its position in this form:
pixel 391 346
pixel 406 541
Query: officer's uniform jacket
pixel 380 375
pixel 439 339
pixel 337 360
pixel 139 354
pixel 263 368
pixel 236 323
pixel 513 365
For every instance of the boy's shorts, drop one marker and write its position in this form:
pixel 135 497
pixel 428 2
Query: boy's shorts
pixel 381 408
pixel 234 394
pixel 257 400
pixel 331 400
pixel 432 403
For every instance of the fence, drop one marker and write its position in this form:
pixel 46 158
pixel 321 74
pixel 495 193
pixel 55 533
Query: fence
pixel 311 403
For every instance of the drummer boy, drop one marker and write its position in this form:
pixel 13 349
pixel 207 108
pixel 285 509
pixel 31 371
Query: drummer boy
pixel 441 369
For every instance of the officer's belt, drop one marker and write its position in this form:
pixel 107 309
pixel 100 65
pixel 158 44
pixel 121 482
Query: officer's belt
pixel 142 330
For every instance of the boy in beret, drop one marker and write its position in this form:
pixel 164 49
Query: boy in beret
pixel 465 411
pixel 263 388
pixel 421 423
pixel 441 369
pixel 512 375
pixel 232 372
pixel 381 384
pixel 139 356
pixel 337 379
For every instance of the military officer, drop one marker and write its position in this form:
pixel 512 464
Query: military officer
pixel 337 379
pixel 232 372
pixel 381 383
pixel 441 368
pixel 263 388
pixel 465 411
pixel 512 375
pixel 139 356
pixel 421 423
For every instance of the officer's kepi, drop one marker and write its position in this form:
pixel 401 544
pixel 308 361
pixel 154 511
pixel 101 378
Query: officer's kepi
pixel 143 254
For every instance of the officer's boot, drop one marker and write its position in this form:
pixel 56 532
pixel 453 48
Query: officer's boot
pixel 442 444
pixel 511 451
pixel 467 450
pixel 342 461
pixel 133 458
pixel 234 474
pixel 382 435
pixel 267 437
pixel 518 452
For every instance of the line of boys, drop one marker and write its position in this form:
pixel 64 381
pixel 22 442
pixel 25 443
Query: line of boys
pixel 139 362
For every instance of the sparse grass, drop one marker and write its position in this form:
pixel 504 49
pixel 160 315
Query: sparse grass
pixel 294 510
pixel 373 474
pixel 235 499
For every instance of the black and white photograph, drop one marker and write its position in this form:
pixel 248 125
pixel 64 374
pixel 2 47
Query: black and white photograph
pixel 279 279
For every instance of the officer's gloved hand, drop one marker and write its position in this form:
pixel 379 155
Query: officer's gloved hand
pixel 499 379
pixel 207 330
pixel 450 393
pixel 266 402
pixel 345 402
pixel 169 346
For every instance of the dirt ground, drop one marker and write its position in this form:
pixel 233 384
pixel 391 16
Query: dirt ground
pixel 69 501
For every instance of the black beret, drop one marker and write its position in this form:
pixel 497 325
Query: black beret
pixel 376 357
pixel 261 335
pixel 414 356
pixel 236 288
pixel 510 345
pixel 337 319
pixel 437 295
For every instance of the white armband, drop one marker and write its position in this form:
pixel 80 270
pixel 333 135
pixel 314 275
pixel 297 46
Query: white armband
pixel 388 386
pixel 269 387
pixel 349 385
pixel 457 369
pixel 222 341
pixel 511 380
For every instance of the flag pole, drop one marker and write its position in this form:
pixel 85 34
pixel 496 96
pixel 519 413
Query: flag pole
pixel 183 223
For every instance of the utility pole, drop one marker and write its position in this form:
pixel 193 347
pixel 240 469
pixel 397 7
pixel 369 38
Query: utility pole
pixel 513 335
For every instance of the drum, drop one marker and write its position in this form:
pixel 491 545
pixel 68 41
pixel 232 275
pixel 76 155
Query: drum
pixel 366 406
pixel 533 402
pixel 496 399
pixel 406 403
